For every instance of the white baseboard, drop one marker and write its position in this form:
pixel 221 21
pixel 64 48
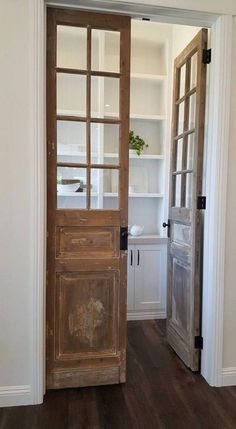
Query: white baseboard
pixel 147 315
pixel 11 396
pixel 229 376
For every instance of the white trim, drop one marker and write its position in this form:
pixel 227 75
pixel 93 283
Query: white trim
pixel 37 121
pixel 15 395
pixel 229 376
pixel 147 315
pixel 216 190
pixel 154 10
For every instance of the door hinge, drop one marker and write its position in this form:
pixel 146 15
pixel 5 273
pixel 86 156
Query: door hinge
pixel 123 238
pixel 201 202
pixel 206 56
pixel 198 342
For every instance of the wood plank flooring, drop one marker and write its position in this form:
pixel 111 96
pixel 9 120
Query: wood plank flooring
pixel 160 393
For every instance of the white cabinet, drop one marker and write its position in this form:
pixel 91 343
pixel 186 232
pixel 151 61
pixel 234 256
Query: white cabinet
pixel 147 270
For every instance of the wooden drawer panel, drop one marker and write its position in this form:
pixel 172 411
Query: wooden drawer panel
pixel 87 242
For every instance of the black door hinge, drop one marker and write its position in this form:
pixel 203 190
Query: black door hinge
pixel 206 56
pixel 123 238
pixel 198 342
pixel 201 203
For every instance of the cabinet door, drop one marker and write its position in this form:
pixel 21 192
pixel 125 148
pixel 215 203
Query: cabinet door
pixel 130 279
pixel 150 277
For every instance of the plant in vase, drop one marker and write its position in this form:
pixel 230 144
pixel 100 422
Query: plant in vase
pixel 136 143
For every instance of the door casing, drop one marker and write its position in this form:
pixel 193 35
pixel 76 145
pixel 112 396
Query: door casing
pixel 218 108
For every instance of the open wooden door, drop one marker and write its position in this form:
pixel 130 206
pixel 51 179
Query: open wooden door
pixel 185 208
pixel 88 57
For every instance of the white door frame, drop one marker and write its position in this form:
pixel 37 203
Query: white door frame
pixel 217 134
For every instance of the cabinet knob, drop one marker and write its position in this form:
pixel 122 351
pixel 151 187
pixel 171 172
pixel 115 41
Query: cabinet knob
pixel 166 224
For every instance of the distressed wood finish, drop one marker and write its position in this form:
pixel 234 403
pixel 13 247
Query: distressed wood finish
pixel 86 271
pixel 186 224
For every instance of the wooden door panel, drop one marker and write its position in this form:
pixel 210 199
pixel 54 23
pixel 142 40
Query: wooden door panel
pixel 180 297
pixel 86 314
pixel 86 257
pixel 72 217
pixel 185 219
pixel 87 242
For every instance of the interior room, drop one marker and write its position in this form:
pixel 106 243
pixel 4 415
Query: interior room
pixel 154 47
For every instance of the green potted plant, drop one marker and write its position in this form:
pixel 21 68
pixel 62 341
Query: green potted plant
pixel 136 143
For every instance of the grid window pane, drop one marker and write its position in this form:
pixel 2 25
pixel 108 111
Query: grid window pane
pixel 177 194
pixel 105 184
pixel 71 187
pixel 71 94
pixel 193 74
pixel 109 106
pixel 181 118
pixel 190 151
pixel 188 190
pixel 105 143
pixel 71 47
pixel 71 141
pixel 182 81
pixel 110 60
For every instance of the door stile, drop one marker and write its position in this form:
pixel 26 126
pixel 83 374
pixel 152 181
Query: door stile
pixel 125 43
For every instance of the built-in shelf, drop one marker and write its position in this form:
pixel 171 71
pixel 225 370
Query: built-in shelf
pixel 135 156
pixel 111 194
pixel 146 76
pixel 75 194
pixel 136 195
pixel 147 117
pixel 112 155
pixel 63 112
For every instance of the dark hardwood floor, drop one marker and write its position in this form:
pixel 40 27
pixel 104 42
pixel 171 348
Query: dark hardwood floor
pixel 160 393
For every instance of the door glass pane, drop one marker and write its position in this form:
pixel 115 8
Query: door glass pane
pixel 179 153
pixel 71 141
pixel 107 42
pixel 188 190
pixel 177 199
pixel 107 106
pixel 71 47
pixel 71 187
pixel 190 151
pixel 105 143
pixel 71 94
pixel 193 74
pixel 181 118
pixel 182 81
pixel 105 188
pixel 192 111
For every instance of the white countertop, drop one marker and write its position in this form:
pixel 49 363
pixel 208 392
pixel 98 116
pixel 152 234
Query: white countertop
pixel 147 239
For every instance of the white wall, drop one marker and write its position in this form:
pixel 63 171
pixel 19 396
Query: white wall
pixel 229 356
pixel 182 35
pixel 16 205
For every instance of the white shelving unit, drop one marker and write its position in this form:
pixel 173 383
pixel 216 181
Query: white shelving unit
pixel 149 118
pixel 150 88
pixel 150 76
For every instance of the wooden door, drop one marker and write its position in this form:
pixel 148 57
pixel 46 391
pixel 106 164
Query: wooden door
pixel 185 214
pixel 88 58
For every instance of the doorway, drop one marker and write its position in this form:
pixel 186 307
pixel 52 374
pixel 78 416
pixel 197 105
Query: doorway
pixel 87 187
pixel 215 213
